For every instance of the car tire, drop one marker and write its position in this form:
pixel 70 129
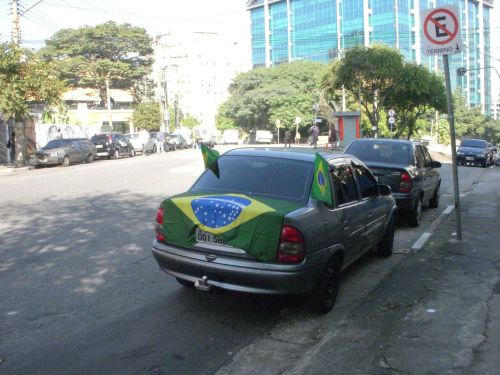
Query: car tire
pixel 154 150
pixel 485 164
pixel 65 162
pixel 132 153
pixel 90 158
pixel 116 154
pixel 385 246
pixel 415 215
pixel 434 201
pixel 325 292
pixel 185 283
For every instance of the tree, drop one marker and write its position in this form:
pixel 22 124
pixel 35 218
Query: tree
pixel 369 74
pixel 102 56
pixel 147 115
pixel 468 121
pixel 25 80
pixel 263 95
pixel 418 90
pixel 190 121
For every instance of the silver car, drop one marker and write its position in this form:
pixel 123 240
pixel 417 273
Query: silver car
pixel 285 242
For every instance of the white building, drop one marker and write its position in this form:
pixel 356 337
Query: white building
pixel 194 69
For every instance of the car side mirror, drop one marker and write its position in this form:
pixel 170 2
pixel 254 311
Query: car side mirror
pixel 436 164
pixel 384 189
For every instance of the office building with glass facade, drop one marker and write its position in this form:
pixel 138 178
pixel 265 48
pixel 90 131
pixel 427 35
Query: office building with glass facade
pixel 286 30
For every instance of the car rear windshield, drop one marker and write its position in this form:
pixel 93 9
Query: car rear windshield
pixel 57 143
pixel 257 175
pixel 476 143
pixel 133 136
pixel 100 137
pixel 379 151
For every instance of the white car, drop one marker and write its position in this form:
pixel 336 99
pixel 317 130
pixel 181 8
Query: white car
pixel 136 141
pixel 263 136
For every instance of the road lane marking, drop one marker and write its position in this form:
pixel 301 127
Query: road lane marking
pixel 426 235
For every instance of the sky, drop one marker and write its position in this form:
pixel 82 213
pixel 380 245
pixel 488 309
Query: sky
pixel 157 16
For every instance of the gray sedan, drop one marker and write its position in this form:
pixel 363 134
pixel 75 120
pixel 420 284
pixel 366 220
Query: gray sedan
pixel 251 225
pixel 65 152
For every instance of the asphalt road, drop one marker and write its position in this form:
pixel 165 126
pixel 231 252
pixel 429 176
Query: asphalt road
pixel 81 294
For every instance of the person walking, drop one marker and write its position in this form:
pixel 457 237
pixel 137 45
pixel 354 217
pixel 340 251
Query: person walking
pixel 11 145
pixel 160 138
pixel 332 137
pixel 288 138
pixel 314 132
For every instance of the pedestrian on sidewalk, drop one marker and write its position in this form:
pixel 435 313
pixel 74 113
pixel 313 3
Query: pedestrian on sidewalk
pixel 11 145
pixel 314 133
pixel 288 138
pixel 332 137
pixel 160 138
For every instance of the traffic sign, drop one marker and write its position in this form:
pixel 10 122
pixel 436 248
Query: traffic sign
pixel 441 31
pixel 391 112
pixel 391 120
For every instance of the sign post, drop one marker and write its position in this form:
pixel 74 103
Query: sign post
pixel 441 30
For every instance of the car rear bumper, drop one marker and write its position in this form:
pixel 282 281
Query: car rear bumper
pixel 241 275
pixel 406 202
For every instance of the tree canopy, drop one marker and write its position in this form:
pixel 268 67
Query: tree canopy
pixel 147 115
pixel 262 96
pixel 369 74
pixel 417 92
pixel 24 80
pixel 109 54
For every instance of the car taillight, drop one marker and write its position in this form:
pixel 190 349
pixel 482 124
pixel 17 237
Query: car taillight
pixel 110 139
pixel 158 225
pixel 291 246
pixel 406 183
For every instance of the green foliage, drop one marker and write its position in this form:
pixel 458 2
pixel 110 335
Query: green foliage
pixel 263 95
pixel 91 55
pixel 370 74
pixel 469 122
pixel 147 115
pixel 190 122
pixel 418 90
pixel 24 79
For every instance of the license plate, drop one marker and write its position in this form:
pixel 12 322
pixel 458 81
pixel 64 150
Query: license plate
pixel 205 237
pixel 469 158
pixel 98 146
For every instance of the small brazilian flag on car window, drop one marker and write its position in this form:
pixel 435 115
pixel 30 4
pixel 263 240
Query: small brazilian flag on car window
pixel 210 157
pixel 321 189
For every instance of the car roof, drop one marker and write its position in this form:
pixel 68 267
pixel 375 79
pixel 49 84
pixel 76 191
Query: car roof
pixel 387 140
pixel 303 154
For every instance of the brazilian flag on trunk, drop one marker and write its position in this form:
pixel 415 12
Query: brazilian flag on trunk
pixel 210 157
pixel 321 189
pixel 250 223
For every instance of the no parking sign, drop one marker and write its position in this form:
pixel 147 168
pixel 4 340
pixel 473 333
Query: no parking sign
pixel 441 31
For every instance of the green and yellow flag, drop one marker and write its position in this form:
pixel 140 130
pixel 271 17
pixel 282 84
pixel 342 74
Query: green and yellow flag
pixel 321 189
pixel 252 224
pixel 210 157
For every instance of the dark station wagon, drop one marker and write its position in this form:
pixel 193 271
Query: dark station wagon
pixel 298 245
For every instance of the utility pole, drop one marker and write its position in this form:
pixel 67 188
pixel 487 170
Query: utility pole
pixel 16 30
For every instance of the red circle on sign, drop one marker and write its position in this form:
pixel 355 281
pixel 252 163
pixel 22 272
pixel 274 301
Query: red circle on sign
pixel 428 19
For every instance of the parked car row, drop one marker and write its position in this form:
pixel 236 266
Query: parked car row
pixel 111 145
pixel 240 228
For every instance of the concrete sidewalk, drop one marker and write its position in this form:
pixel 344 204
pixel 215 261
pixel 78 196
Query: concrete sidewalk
pixel 437 313
pixel 6 169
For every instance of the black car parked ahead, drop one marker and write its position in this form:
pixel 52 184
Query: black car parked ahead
pixel 475 152
pixel 407 167
pixel 112 145
pixel 65 152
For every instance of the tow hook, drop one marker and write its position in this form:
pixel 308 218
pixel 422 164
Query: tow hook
pixel 202 284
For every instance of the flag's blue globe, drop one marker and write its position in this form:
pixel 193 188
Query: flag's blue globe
pixel 321 178
pixel 218 211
